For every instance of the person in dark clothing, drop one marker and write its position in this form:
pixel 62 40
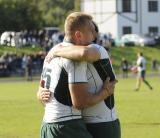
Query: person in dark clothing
pixel 124 67
pixel 29 68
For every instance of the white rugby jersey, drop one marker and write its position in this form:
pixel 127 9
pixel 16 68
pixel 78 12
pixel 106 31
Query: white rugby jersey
pixel 97 73
pixel 57 74
pixel 141 62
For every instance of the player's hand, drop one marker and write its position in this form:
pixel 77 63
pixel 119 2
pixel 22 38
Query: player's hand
pixel 43 93
pixel 109 86
pixel 52 53
pixel 49 56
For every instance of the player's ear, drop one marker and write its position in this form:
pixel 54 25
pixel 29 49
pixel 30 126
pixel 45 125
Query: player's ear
pixel 78 35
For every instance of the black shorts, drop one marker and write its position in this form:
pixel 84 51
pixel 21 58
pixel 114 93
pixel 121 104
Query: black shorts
pixel 105 129
pixel 141 74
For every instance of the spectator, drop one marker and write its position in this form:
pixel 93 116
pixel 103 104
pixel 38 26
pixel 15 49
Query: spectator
pixel 29 68
pixel 154 64
pixel 124 67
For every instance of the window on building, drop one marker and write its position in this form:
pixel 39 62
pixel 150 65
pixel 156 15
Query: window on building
pixel 153 6
pixel 126 5
pixel 153 30
pixel 127 30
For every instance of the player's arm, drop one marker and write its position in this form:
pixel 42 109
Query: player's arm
pixel 77 53
pixel 82 98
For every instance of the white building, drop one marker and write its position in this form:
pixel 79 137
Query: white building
pixel 125 16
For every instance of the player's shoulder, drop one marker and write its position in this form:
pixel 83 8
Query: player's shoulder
pixel 102 50
pixel 95 45
pixel 71 65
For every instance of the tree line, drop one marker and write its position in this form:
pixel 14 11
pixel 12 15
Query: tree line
pixel 16 15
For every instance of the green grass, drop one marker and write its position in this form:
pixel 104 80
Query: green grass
pixel 21 114
pixel 138 111
pixel 130 53
pixel 25 49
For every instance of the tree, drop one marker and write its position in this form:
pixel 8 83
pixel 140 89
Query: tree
pixel 18 15
pixel 54 12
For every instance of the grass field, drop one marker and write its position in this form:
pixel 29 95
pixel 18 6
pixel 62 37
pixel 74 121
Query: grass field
pixel 26 50
pixel 21 114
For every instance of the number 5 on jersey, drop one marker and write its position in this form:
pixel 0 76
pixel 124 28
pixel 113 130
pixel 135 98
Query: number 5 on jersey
pixel 46 74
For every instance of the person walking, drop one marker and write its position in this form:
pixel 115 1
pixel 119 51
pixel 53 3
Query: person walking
pixel 141 68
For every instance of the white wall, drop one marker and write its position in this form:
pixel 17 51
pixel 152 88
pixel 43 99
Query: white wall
pixel 127 19
pixel 125 22
pixel 149 18
pixel 110 26
pixel 104 14
pixel 98 6
pixel 145 18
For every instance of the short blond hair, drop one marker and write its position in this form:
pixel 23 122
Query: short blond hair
pixel 76 21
